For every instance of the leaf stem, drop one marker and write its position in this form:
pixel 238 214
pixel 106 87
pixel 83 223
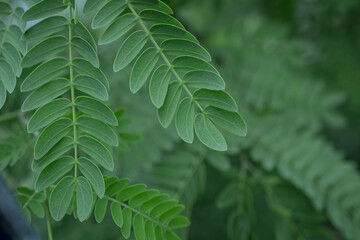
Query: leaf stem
pixel 48 220
pixel 166 60
pixel 72 91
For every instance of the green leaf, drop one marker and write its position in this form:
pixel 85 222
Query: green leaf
pixel 167 31
pixel 53 172
pixel 153 202
pixel 98 129
pixel 139 228
pixel 48 113
pixel 19 11
pixel 204 79
pixel 163 207
pixel 156 17
pixel 171 213
pixel 150 230
pixel 63 146
pixel 184 120
pixel 96 109
pixel 43 9
pixel 81 31
pixel 159 85
pixel 181 47
pixel 93 175
pixel 142 68
pixel 108 13
pixel 15 36
pixel 129 192
pixel 91 86
pixel 44 73
pixel 159 233
pixel 156 5
pixel 208 134
pixel 130 49
pixel 115 185
pixel 61 196
pixel 100 209
pixel 229 121
pixel 37 208
pixel 126 228
pixel 170 235
pixel 45 28
pixel 116 214
pixel 92 6
pixel 45 94
pixel 5 9
pixel 118 28
pixel 143 197
pixel 44 50
pixel 51 135
pixel 2 94
pixel 86 50
pixel 218 99
pixel 167 112
pixel 179 222
pixel 84 198
pixel 13 57
pixel 7 75
pixel 97 151
pixel 84 67
pixel 189 63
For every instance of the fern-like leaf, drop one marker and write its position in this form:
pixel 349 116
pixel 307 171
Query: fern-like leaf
pixel 183 59
pixel 150 213
pixel 67 94
pixel 312 165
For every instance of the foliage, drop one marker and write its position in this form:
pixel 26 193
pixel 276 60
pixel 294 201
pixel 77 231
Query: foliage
pixel 12 47
pixel 76 103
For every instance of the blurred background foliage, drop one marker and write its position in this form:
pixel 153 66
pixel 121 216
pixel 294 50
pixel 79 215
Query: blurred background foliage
pixel 294 68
